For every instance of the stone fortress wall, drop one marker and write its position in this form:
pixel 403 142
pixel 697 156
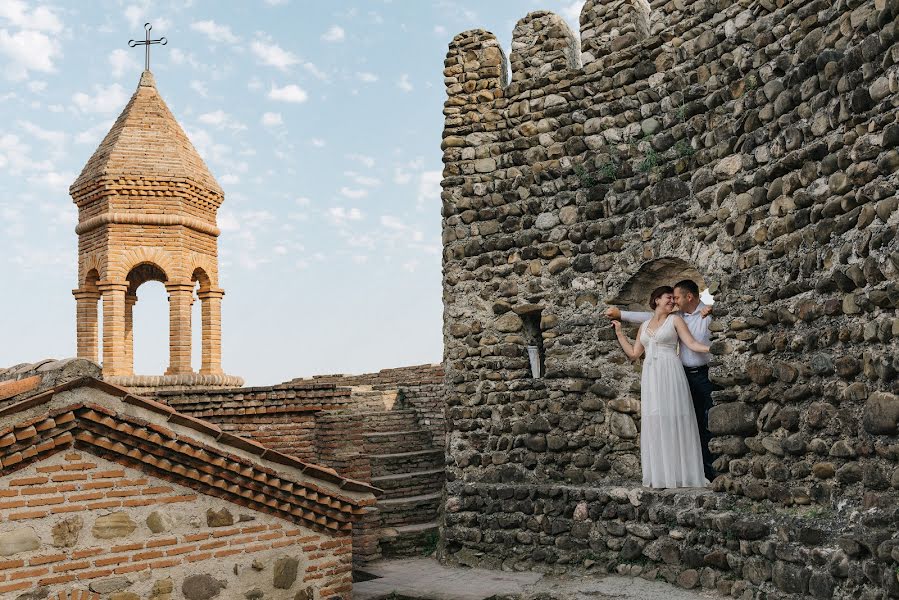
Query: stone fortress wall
pixel 750 145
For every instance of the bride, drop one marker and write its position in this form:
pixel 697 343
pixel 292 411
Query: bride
pixel 670 454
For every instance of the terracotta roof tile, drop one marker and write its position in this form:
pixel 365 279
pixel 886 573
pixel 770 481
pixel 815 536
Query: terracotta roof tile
pixel 208 467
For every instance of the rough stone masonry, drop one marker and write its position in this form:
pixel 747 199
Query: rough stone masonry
pixel 750 145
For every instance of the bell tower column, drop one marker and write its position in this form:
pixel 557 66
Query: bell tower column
pixel 212 330
pixel 130 301
pixel 114 327
pixel 87 327
pixel 180 301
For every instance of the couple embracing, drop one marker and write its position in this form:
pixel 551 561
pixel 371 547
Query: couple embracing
pixel 676 393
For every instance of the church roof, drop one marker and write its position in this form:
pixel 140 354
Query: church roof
pixel 146 142
pixel 108 421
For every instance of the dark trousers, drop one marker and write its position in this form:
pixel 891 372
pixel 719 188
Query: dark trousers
pixel 701 391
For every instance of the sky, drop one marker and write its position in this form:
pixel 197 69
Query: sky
pixel 321 121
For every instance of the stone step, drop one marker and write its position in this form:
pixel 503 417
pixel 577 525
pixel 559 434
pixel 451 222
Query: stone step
pixel 410 540
pixel 409 510
pixel 398 463
pixel 410 484
pixel 391 420
pixel 397 441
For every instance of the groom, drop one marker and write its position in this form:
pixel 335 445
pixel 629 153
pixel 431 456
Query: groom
pixel 696 365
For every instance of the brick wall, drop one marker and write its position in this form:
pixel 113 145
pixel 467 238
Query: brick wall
pixel 416 374
pixel 78 522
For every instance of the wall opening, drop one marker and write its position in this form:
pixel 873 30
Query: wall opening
pixel 533 336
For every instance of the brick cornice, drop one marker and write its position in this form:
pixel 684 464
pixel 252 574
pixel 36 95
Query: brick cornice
pixel 128 218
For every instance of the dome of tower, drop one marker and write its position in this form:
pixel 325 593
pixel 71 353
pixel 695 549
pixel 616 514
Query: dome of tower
pixel 146 142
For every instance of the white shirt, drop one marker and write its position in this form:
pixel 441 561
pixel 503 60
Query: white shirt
pixel 696 323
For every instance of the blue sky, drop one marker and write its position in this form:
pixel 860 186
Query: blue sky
pixel 322 122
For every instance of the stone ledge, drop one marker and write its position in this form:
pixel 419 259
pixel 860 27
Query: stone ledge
pixel 187 380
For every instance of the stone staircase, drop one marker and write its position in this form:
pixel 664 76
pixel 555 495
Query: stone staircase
pixel 409 468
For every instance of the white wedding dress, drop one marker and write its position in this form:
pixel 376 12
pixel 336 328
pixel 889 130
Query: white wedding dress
pixel 670 454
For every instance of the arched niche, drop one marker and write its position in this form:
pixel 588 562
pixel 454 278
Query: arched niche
pixel 634 294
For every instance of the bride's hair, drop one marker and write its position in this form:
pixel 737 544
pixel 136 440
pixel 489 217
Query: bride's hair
pixel 658 293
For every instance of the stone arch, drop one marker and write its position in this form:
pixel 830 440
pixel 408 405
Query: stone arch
pixel 666 270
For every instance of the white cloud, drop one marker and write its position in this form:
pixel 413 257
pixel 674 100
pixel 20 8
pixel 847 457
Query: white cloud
pixel 221 120
pixel 353 193
pixel 411 265
pixel 94 134
pixel 199 87
pixel 439 30
pixel 227 221
pixel 133 15
pixel 107 99
pixel 179 57
pixel 254 84
pixel 303 201
pixel 401 176
pixel 339 215
pixel 53 180
pixel 334 34
pixel 288 93
pixel 392 222
pixel 360 259
pixel 270 119
pixel 317 142
pixel 276 2
pixel 40 19
pixel 362 179
pixel 37 86
pixel 572 13
pixel 368 161
pixel 314 71
pixel 55 138
pixel 215 31
pixel 121 60
pixel 230 179
pixel 404 83
pixel 365 77
pixel 273 55
pixel 428 188
pixel 27 50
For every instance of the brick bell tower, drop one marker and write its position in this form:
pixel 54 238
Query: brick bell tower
pixel 147 212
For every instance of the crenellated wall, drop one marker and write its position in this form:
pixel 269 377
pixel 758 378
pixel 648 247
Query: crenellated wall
pixel 748 145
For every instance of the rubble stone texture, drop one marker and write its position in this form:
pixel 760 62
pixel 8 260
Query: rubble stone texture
pixel 749 145
pixel 147 212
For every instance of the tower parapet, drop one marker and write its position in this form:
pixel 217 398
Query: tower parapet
pixel 608 26
pixel 542 43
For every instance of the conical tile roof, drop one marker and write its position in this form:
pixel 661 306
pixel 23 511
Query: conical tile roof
pixel 146 142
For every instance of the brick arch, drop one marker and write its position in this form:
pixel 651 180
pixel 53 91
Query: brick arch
pixel 91 262
pixel 206 266
pixel 667 270
pixel 136 256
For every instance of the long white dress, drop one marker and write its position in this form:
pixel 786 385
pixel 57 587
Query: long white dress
pixel 670 454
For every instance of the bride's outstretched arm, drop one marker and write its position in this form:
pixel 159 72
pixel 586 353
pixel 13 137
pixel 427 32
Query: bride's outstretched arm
pixel 633 352
pixel 686 337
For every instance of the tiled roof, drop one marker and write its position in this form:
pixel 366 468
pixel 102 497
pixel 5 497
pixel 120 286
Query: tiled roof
pixel 110 422
pixel 147 143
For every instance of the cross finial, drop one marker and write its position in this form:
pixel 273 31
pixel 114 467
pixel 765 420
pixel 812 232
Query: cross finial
pixel 147 42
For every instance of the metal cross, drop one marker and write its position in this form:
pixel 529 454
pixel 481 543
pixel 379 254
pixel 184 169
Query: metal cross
pixel 147 42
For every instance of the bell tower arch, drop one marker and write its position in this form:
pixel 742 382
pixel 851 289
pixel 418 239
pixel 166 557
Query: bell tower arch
pixel 147 208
